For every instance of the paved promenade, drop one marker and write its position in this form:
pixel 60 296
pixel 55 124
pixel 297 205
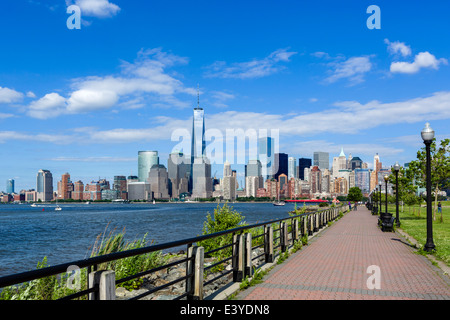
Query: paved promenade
pixel 334 267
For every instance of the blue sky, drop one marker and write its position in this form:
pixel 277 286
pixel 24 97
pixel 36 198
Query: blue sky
pixel 86 101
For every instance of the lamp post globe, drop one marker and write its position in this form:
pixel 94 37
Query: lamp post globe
pixel 427 133
pixel 428 136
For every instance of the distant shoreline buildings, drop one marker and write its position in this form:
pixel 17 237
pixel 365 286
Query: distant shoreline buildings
pixel 271 175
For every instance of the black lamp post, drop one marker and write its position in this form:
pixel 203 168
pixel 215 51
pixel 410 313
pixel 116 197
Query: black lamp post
pixel 386 178
pixel 381 205
pixel 396 170
pixel 428 136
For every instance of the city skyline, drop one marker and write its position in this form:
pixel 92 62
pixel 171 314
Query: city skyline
pixel 86 101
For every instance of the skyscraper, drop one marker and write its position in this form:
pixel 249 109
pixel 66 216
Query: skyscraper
pixel 10 186
pixel 201 178
pixel 226 169
pixel 65 187
pixel 159 181
pixel 146 159
pixel 362 180
pixel 339 163
pixel 179 170
pixel 322 160
pixel 292 168
pixel 44 185
pixel 198 134
pixel 201 181
pixel 302 164
pixel 266 156
pixel 281 164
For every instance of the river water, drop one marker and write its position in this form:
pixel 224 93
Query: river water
pixel 28 234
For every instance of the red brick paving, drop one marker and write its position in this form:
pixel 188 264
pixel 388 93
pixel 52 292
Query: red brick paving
pixel 334 267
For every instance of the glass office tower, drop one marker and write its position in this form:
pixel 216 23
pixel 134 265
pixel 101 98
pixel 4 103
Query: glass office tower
pixel 146 159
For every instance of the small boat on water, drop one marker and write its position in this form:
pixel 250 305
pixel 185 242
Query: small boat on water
pixel 58 208
pixel 279 203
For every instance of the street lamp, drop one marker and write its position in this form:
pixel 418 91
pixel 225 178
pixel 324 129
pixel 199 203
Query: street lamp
pixel 386 178
pixel 381 205
pixel 428 136
pixel 396 170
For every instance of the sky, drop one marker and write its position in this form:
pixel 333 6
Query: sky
pixel 316 73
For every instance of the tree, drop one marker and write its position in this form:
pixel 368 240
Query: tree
pixel 440 168
pixel 354 194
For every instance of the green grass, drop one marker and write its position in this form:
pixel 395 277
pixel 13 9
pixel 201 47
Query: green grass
pixel 413 222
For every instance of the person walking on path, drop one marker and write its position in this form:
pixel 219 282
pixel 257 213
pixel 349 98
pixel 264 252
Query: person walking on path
pixel 349 206
pixel 356 206
pixel 439 207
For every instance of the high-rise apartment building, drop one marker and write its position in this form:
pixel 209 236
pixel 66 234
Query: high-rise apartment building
pixel 65 187
pixel 44 185
pixel 146 159
pixel 120 185
pixel 315 179
pixel 78 190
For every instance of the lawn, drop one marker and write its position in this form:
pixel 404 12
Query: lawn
pixel 413 221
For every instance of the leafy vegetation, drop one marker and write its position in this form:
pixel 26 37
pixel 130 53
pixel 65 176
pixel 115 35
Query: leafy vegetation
pixel 55 287
pixel 413 222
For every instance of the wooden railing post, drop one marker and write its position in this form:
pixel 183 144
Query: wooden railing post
pixel 106 281
pixel 238 257
pixel 295 231
pixel 283 236
pixel 268 243
pixel 248 255
pixel 194 284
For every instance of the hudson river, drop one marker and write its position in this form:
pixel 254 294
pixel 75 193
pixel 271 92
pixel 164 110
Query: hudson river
pixel 28 234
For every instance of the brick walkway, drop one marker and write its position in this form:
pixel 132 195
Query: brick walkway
pixel 334 267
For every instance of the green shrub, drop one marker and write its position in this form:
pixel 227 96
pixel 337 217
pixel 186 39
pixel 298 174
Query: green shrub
pixel 224 218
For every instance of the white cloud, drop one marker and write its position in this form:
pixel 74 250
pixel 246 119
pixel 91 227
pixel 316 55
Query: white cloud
pixel 256 68
pixel 9 95
pixel 346 117
pixel 221 98
pixel 145 78
pixel 96 8
pixel 352 69
pixel 40 137
pixel 398 47
pixel 6 115
pixel 93 159
pixel 49 106
pixel 421 60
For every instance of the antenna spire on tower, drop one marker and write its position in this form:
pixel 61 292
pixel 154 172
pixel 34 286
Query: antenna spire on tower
pixel 198 96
